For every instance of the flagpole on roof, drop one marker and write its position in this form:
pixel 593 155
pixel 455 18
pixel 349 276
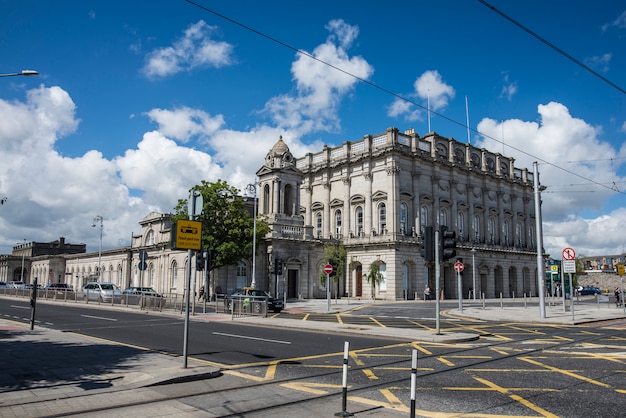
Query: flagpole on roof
pixel 467 121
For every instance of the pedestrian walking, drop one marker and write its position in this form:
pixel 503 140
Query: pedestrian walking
pixel 201 293
pixel 427 293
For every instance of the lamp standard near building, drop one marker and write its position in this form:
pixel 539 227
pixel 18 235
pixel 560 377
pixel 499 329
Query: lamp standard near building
pixel 22 271
pixel 99 218
pixel 26 73
pixel 474 272
pixel 251 189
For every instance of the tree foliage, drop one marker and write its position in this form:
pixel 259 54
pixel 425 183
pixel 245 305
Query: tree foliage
pixel 374 277
pixel 227 227
pixel 338 254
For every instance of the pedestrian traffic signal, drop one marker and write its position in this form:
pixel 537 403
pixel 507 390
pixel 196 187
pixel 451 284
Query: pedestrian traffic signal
pixel 199 261
pixel 447 243
pixel 279 266
pixel 428 244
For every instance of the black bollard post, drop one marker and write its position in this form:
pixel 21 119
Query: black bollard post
pixel 33 304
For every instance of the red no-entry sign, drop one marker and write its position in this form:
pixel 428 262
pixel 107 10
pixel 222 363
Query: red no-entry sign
pixel 328 268
pixel 458 267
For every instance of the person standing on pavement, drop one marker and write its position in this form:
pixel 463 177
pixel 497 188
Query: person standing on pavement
pixel 427 293
pixel 617 296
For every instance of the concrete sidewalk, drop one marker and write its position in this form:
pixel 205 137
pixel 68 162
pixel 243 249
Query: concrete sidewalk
pixel 46 372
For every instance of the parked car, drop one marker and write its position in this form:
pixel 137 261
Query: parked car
pixel 16 284
pixel 587 290
pixel 145 291
pixel 3 285
pixel 102 292
pixel 63 290
pixel 274 305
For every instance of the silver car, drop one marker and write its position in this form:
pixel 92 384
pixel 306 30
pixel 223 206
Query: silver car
pixel 102 292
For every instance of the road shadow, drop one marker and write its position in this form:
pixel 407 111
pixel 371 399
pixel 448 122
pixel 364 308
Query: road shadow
pixel 28 363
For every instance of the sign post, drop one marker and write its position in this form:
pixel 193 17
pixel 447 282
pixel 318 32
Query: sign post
pixel 189 235
pixel 458 267
pixel 569 267
pixel 328 269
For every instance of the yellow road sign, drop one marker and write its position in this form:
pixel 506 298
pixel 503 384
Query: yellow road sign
pixel 187 235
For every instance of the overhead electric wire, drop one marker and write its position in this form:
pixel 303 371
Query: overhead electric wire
pixel 556 48
pixel 385 90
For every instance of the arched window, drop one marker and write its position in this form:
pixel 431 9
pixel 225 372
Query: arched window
pixel 338 223
pixel 358 216
pixel 460 222
pixel 382 218
pixel 289 203
pixel 519 235
pixel 403 218
pixel 443 217
pixel 318 224
pixel 174 273
pixel 151 275
pixel 150 240
pixel 423 218
pixel 505 232
pixel 242 274
pixel 491 229
pixel 266 199
pixel 477 228
pixel 119 276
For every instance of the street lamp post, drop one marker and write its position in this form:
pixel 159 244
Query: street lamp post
pixel 26 73
pixel 99 218
pixel 474 272
pixel 251 188
pixel 22 271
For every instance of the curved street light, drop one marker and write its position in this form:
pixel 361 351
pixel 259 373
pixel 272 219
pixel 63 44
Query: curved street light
pixel 251 190
pixel 25 73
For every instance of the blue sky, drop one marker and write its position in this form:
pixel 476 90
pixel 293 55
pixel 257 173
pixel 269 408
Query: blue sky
pixel 138 101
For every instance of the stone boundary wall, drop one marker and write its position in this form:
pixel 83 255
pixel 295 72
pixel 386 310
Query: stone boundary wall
pixel 604 281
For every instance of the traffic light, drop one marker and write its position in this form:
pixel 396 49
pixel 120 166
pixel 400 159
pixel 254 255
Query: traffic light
pixel 447 243
pixel 279 266
pixel 428 245
pixel 199 261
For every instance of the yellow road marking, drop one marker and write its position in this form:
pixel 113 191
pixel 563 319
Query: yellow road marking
pixel 306 317
pixel 446 362
pixel 419 347
pixel 370 374
pixel 339 320
pixel 374 320
pixel 313 388
pixel 516 398
pixel 565 372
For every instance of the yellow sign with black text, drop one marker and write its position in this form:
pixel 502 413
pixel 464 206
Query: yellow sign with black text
pixel 186 235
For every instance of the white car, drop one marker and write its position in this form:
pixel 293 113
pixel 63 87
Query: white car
pixel 102 292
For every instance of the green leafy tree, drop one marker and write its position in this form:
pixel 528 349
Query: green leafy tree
pixel 227 227
pixel 374 277
pixel 338 254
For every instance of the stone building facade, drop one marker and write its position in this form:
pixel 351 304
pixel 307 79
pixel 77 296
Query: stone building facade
pixel 376 195
pixel 373 196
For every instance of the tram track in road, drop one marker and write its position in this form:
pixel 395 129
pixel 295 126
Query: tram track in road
pixel 232 397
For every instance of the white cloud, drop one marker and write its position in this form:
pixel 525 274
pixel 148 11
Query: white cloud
pixel 320 88
pixel 194 50
pixel 577 178
pixel 600 62
pixel 431 89
pixel 509 88
pixel 184 123
pixel 619 23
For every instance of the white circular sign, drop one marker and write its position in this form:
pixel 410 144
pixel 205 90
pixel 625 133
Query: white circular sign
pixel 568 254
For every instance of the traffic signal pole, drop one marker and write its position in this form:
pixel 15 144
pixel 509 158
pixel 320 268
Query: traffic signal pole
pixel 437 283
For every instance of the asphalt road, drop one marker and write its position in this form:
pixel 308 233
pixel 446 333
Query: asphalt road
pixel 514 369
pixel 224 343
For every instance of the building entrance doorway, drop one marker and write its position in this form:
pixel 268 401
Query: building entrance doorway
pixel 292 284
